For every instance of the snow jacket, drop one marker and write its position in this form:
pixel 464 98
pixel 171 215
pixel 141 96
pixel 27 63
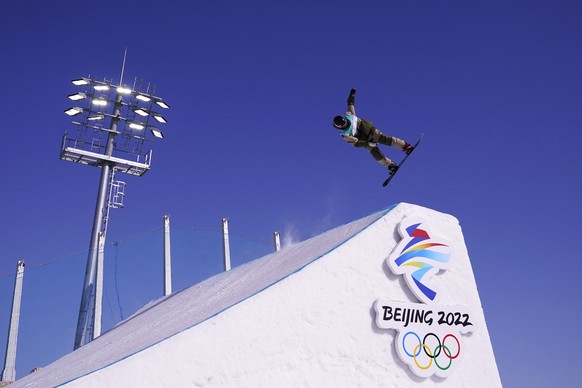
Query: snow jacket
pixel 361 129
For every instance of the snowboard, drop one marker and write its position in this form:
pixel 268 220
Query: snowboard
pixel 402 162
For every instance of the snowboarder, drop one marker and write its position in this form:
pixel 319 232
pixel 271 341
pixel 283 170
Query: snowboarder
pixel 361 133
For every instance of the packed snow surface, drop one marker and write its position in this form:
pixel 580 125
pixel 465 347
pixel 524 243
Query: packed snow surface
pixel 303 316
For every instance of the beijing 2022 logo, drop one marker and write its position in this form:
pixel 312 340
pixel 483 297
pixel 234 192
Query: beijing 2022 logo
pixel 418 257
pixel 429 338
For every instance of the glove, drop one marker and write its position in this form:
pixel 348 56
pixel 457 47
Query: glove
pixel 351 139
pixel 352 97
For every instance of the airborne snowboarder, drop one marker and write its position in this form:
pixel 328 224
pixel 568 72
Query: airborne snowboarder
pixel 362 133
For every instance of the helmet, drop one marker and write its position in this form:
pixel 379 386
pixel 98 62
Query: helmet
pixel 340 122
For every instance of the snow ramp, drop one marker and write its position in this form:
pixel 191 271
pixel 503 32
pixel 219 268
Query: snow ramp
pixel 386 300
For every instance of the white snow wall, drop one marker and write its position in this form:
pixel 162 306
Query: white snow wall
pixel 314 327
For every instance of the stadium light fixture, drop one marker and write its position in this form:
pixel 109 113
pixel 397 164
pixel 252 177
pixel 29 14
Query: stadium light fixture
pixel 142 97
pixel 123 90
pixel 157 133
pixel 101 88
pixel 159 118
pixel 162 104
pixel 136 126
pixel 140 111
pixel 99 102
pixel 74 111
pixel 77 96
pixel 80 81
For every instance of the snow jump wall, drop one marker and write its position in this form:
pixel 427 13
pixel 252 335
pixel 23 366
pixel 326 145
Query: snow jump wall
pixel 387 300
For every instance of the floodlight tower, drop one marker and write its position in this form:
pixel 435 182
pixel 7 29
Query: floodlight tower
pixel 114 123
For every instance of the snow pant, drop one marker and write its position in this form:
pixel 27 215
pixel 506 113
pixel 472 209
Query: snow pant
pixel 375 136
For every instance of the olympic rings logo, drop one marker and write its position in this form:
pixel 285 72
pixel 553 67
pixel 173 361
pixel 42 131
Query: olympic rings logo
pixel 430 350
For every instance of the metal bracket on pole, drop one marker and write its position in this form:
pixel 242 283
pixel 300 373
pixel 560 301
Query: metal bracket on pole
pixel 116 194
pixel 225 244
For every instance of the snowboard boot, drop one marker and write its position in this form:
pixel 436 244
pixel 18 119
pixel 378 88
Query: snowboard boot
pixel 393 168
pixel 383 160
pixel 404 146
pixel 407 148
pixel 386 162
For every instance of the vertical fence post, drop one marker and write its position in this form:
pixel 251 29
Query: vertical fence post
pixel 99 286
pixel 277 241
pixel 167 257
pixel 225 244
pixel 9 372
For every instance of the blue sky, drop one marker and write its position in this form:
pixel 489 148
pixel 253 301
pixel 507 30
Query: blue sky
pixel 253 86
